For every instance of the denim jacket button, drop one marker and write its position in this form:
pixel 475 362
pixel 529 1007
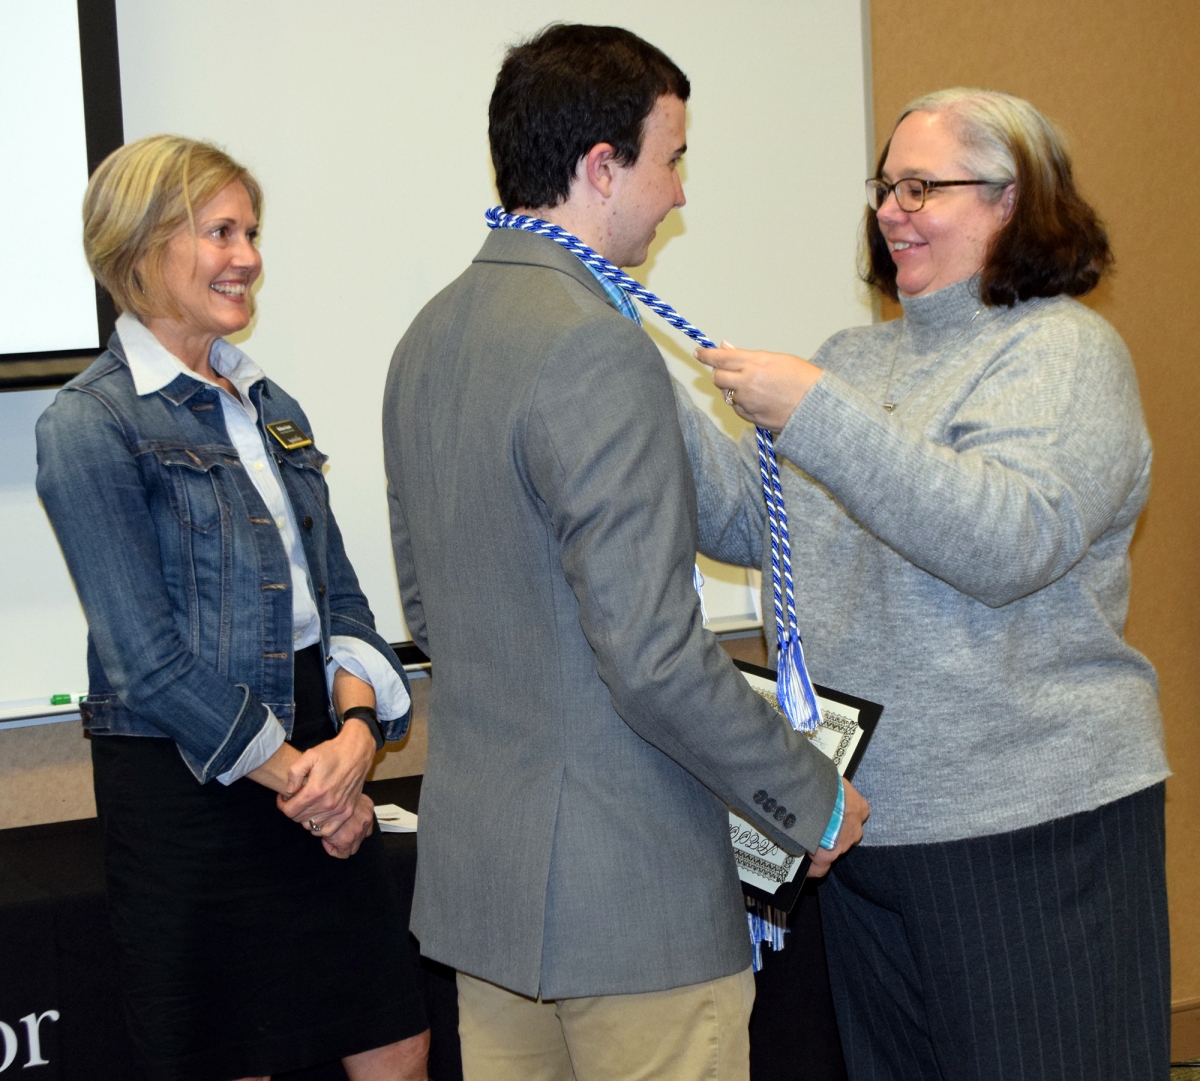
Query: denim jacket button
pixel 321 590
pixel 308 522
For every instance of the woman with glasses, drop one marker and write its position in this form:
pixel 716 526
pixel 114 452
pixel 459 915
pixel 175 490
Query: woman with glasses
pixel 962 485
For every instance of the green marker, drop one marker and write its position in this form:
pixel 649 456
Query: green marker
pixel 60 700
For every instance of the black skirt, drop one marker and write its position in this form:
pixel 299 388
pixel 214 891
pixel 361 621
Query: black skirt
pixel 245 948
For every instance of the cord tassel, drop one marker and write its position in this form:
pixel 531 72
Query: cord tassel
pixel 794 689
pixel 768 925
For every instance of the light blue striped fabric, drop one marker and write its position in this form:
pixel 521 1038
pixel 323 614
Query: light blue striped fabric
pixel 835 820
pixel 617 295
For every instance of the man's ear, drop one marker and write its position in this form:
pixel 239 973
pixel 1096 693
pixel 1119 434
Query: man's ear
pixel 598 167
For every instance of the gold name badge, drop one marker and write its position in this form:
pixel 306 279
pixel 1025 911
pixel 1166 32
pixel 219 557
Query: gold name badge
pixel 290 435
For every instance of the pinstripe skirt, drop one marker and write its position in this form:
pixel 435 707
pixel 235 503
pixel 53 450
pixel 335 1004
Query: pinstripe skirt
pixel 1026 956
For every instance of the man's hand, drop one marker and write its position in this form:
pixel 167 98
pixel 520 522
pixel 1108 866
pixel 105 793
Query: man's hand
pixel 763 388
pixel 344 841
pixel 854 814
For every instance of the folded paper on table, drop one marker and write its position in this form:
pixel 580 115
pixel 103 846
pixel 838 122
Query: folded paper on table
pixel 393 819
pixel 766 870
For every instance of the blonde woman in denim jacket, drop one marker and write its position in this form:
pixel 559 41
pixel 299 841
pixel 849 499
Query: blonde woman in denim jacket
pixel 238 690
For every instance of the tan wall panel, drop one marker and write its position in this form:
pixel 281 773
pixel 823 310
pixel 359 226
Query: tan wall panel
pixel 1119 77
pixel 407 758
pixel 45 775
pixel 46 770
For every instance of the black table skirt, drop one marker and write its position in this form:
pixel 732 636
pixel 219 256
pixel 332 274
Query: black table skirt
pixel 57 954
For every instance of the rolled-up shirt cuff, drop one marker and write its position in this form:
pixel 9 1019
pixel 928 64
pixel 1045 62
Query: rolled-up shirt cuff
pixel 835 820
pixel 361 659
pixel 268 740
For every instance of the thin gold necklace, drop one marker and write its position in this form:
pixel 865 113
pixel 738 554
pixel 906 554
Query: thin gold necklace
pixel 888 404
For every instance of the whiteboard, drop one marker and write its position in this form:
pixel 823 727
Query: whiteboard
pixel 366 122
pixel 47 298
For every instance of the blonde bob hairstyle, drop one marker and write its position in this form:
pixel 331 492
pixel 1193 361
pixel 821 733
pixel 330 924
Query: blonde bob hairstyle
pixel 141 196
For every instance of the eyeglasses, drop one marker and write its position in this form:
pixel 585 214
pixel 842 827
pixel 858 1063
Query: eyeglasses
pixel 911 191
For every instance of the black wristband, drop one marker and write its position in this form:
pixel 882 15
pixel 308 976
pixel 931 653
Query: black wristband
pixel 370 718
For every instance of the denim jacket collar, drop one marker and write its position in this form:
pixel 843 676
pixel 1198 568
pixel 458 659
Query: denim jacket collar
pixel 179 391
pixel 155 369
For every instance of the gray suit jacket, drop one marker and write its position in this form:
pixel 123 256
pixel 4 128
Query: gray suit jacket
pixel 586 733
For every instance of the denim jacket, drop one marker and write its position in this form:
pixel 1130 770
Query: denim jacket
pixel 179 566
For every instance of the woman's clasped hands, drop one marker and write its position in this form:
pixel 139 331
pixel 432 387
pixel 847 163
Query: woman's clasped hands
pixel 763 388
pixel 324 784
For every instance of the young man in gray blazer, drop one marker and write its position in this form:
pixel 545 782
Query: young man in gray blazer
pixel 586 733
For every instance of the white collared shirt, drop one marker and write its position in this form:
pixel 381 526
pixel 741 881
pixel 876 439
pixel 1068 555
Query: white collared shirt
pixel 153 367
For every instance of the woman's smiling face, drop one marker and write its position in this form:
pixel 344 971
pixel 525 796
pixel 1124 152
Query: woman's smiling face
pixel 209 276
pixel 947 239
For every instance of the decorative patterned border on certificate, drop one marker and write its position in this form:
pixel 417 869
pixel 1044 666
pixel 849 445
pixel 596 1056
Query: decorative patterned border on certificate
pixel 773 872
pixel 843 735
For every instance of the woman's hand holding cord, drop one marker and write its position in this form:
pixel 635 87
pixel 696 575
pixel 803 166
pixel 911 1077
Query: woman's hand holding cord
pixel 763 388
pixel 324 784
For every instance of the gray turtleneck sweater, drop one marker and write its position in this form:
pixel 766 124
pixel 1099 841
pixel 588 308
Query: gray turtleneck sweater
pixel 964 559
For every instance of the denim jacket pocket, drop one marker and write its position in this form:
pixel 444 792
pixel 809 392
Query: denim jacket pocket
pixel 307 465
pixel 304 458
pixel 190 477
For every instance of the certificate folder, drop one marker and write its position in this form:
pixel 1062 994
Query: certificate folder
pixel 768 873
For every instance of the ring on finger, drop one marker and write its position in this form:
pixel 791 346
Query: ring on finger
pixel 729 396
pixel 314 825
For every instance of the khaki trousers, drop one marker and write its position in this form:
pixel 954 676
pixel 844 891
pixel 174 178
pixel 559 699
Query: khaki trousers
pixel 696 1033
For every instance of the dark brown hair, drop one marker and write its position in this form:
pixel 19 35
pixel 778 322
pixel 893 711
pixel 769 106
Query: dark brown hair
pixel 1053 242
pixel 562 92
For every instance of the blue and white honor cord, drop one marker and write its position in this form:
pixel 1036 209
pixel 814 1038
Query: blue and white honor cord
pixel 793 687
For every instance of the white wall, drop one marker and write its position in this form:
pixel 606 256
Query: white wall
pixel 366 122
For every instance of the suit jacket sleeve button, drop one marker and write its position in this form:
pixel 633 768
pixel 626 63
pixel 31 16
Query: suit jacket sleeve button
pixel 789 822
pixel 308 521
pixel 769 805
pixel 780 812
pixel 760 795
